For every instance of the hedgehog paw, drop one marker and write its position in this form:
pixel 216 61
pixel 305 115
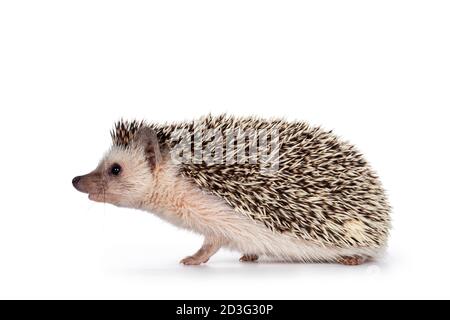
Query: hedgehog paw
pixel 193 261
pixel 351 260
pixel 249 258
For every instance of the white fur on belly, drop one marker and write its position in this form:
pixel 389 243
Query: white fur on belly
pixel 257 239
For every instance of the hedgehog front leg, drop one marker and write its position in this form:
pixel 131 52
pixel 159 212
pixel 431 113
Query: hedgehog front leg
pixel 208 249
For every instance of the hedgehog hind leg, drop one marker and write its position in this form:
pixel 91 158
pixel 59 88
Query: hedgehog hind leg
pixel 355 260
pixel 249 258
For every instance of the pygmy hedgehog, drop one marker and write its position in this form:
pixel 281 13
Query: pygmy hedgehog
pixel 284 190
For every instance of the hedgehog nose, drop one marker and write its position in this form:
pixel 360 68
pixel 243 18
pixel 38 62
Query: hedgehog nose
pixel 76 180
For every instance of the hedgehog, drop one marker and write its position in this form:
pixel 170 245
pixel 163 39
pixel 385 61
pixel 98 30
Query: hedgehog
pixel 283 190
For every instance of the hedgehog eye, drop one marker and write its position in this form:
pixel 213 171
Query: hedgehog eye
pixel 115 169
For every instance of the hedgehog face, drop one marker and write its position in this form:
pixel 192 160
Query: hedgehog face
pixel 124 176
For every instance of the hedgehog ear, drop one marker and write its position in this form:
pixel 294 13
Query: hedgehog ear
pixel 147 138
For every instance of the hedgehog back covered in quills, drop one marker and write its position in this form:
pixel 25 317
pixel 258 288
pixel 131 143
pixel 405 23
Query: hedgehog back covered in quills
pixel 322 187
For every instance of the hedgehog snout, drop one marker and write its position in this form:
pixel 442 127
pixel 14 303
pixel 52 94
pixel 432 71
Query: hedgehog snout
pixel 75 181
pixel 88 183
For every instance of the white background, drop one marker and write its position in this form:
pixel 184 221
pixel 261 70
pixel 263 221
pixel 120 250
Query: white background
pixel 377 72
